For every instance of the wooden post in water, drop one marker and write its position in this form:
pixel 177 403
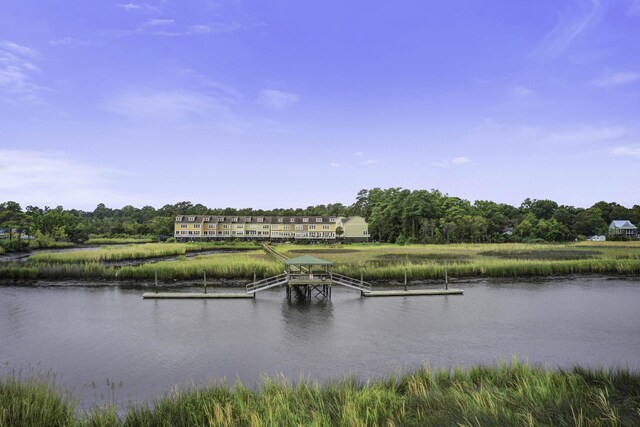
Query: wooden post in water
pixel 446 277
pixel 204 270
pixel 155 273
pixel 254 276
pixel 405 278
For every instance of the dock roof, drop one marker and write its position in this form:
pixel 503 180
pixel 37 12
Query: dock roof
pixel 307 260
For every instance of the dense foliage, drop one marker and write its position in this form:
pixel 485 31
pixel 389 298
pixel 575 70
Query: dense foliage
pixel 395 215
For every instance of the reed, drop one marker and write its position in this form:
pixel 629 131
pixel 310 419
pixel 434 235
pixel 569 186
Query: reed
pixel 117 240
pixel 511 393
pixel 133 252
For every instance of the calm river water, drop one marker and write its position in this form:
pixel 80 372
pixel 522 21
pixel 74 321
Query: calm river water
pixel 91 335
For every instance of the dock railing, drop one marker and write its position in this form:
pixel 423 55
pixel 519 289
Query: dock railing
pixel 269 282
pixel 350 282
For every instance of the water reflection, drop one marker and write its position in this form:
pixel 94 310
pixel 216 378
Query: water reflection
pixel 145 347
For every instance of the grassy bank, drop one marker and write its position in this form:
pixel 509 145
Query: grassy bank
pixel 133 252
pixel 509 394
pixel 118 240
pixel 379 262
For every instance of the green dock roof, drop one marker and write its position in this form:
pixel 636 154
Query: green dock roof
pixel 307 260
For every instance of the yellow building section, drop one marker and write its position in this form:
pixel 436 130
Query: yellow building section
pixel 188 228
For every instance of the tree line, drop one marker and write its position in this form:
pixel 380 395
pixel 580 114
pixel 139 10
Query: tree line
pixel 394 215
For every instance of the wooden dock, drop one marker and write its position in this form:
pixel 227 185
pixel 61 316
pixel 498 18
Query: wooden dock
pixel 403 293
pixel 194 295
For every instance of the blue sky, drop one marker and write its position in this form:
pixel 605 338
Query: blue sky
pixel 289 103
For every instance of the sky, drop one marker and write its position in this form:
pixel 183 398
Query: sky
pixel 289 103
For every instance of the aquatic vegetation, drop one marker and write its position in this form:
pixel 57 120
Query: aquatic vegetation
pixel 512 393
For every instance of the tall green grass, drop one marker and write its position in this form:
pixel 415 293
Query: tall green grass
pixel 133 252
pixel 117 240
pixel 509 394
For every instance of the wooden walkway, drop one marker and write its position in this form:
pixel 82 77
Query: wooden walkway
pixel 413 292
pixel 194 295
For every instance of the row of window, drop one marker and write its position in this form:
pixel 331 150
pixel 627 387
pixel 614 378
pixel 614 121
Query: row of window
pixel 254 233
pixel 249 219
pixel 264 227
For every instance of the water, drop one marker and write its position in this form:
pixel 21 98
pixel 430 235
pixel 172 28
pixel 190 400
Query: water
pixel 107 344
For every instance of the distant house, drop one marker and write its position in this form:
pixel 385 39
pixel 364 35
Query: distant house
pixel 623 226
pixel 598 238
pixel 354 229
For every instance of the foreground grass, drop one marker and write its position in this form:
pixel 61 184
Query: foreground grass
pixel 509 394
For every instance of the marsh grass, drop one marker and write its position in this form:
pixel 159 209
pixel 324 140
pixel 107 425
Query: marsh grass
pixel 379 262
pixel 133 252
pixel 507 394
pixel 117 240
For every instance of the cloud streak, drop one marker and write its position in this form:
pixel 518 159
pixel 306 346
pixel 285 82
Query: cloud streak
pixel 616 78
pixel 628 151
pixel 277 99
pixel 570 25
pixel 17 72
pixel 53 178
pixel 456 161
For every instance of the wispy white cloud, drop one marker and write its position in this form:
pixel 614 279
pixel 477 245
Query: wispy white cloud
pixel 19 49
pixel 53 178
pixel 460 160
pixel 17 72
pixel 140 7
pixel 217 27
pixel 159 22
pixel 522 91
pixel 586 135
pixel 358 153
pixel 456 161
pixel 616 78
pixel 634 8
pixel 370 162
pixel 277 99
pixel 571 24
pixel 335 165
pixel 165 106
pixel 627 151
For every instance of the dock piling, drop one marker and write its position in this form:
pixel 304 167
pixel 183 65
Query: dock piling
pixel 155 273
pixel 204 270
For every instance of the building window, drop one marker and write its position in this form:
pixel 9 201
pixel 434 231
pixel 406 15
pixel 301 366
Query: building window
pixel 260 219
pixel 287 227
pixel 220 218
pixel 183 225
pixel 299 227
pixel 274 227
pixel 212 225
pixel 280 219
pixel 247 219
pixel 196 225
pixel 305 219
pixel 240 227
pixel 325 227
pixel 207 218
pixel 312 227
pixel 178 218
pixel 318 219
pixel 292 220
pixel 332 219
pixel 225 226
pixel 192 218
pixel 234 219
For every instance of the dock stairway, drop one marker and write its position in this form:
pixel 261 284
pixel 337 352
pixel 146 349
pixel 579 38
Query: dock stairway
pixel 349 282
pixel 269 282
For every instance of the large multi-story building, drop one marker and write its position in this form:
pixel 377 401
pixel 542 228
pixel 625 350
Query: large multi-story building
pixel 287 228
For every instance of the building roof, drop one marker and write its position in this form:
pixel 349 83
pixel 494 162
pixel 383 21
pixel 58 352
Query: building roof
pixel 307 260
pixel 622 223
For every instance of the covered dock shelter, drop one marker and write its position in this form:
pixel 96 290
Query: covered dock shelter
pixel 309 277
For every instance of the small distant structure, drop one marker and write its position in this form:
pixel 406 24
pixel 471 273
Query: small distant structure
pixel 623 227
pixel 597 238
pixel 507 231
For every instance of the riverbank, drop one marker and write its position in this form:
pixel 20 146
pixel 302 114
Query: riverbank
pixel 385 263
pixel 508 394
